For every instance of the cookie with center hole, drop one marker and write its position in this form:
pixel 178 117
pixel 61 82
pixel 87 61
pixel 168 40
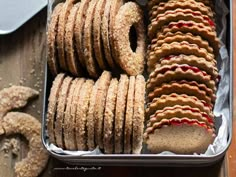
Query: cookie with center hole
pixel 103 85
pixel 109 117
pixel 139 113
pixel 52 106
pixel 65 11
pixel 90 60
pixel 51 40
pixel 120 113
pixel 97 41
pixel 79 30
pixel 132 62
pixel 74 65
pixel 90 125
pixel 61 106
pixel 81 114
pixel 129 113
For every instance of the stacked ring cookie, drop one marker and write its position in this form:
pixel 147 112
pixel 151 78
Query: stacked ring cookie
pixel 109 113
pixel 87 37
pixel 183 76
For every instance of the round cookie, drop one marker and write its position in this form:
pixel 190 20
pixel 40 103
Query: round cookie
pixel 90 61
pixel 103 84
pixel 97 41
pixel 138 117
pixel 78 30
pixel 132 62
pixel 129 116
pixel 70 124
pixel 116 4
pixel 61 106
pixel 67 116
pixel 90 118
pixel 67 6
pixel 72 62
pixel 120 112
pixel 109 116
pixel 105 34
pixel 52 106
pixel 81 114
pixel 51 40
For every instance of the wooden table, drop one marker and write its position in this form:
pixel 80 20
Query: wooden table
pixel 22 62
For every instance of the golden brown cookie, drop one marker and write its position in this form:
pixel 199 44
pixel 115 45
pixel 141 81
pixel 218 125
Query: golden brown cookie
pixel 90 118
pixel 132 62
pixel 67 116
pixel 176 99
pixel 138 117
pixel 71 59
pixel 51 40
pixel 103 85
pixel 128 129
pixel 182 136
pixel 61 106
pixel 78 30
pixel 178 72
pixel 198 29
pixel 28 126
pixel 71 122
pixel 115 6
pixel 97 41
pixel 181 112
pixel 176 15
pixel 182 4
pixel 52 106
pixel 67 6
pixel 180 88
pixel 15 97
pixel 81 114
pixel 109 117
pixel 120 113
pixel 90 61
pixel 105 34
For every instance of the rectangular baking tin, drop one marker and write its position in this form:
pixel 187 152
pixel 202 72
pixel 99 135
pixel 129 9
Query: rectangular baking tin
pixel 145 159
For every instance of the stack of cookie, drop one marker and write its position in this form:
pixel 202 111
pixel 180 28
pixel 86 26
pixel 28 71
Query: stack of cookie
pixel 183 76
pixel 84 38
pixel 109 114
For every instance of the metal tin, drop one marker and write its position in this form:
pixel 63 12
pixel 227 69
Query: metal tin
pixel 145 159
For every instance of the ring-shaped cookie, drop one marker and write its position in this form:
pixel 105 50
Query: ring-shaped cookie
pixel 130 61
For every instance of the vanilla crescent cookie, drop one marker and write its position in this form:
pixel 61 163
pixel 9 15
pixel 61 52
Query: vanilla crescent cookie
pixel 15 97
pixel 36 159
pixel 132 62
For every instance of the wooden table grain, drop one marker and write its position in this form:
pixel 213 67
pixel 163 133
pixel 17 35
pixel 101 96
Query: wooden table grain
pixel 22 57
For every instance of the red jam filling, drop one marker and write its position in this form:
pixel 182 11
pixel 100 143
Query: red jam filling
pixel 190 109
pixel 186 121
pixel 211 23
pixel 203 102
pixel 184 68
